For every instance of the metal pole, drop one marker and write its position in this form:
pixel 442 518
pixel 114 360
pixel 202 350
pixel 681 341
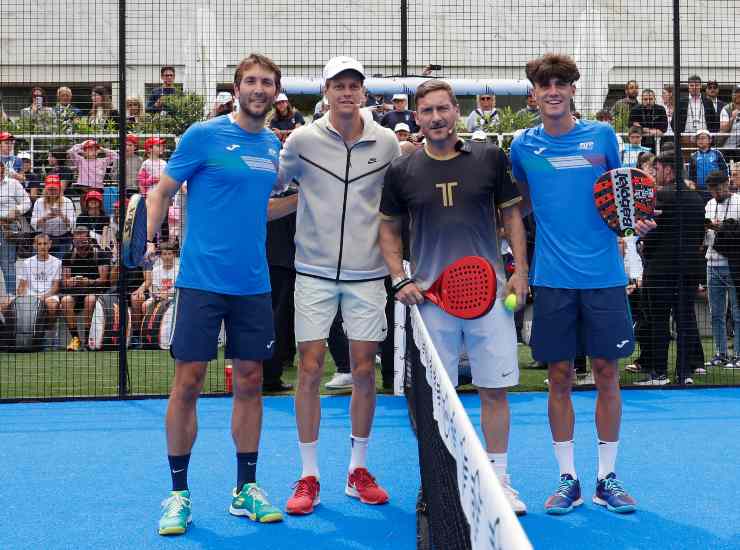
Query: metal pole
pixel 404 37
pixel 122 271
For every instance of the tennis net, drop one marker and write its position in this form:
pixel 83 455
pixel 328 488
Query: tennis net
pixel 461 504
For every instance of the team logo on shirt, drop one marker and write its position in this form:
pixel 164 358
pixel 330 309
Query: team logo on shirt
pixel 259 163
pixel 272 152
pixel 586 146
pixel 540 150
pixel 232 147
pixel 566 163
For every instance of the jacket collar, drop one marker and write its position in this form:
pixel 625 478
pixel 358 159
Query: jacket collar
pixel 369 127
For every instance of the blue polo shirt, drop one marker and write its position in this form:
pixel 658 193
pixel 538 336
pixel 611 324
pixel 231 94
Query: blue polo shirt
pixel 230 175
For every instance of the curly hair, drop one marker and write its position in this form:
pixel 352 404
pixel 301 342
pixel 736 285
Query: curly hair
pixel 552 65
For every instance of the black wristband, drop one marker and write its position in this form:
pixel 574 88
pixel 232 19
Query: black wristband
pixel 400 284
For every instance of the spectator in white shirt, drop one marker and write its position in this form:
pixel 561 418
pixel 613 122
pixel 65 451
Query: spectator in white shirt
pixel 54 214
pixel 41 277
pixel 14 202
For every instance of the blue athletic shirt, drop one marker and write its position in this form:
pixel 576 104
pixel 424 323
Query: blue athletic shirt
pixel 230 175
pixel 574 248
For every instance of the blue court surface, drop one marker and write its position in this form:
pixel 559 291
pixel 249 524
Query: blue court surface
pixel 92 474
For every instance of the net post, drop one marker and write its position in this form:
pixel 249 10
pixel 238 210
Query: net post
pixel 404 37
pixel 122 271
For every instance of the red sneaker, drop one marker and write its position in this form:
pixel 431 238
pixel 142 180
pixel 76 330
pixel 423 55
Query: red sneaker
pixel 305 496
pixel 360 484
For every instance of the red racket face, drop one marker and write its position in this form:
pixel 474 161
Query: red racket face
pixel 623 197
pixel 466 288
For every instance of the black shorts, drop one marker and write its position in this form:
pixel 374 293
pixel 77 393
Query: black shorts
pixel 79 299
pixel 568 323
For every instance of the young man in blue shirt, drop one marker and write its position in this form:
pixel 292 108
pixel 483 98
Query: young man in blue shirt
pixel 231 166
pixel 580 302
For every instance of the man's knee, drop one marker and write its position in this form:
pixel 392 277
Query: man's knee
pixel 188 382
pixel 560 378
pixel 247 379
pixel 494 397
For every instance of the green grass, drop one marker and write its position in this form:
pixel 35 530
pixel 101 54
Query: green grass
pixel 95 374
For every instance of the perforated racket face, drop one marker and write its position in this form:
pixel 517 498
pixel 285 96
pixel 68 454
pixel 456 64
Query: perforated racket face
pixel 623 197
pixel 134 232
pixel 468 288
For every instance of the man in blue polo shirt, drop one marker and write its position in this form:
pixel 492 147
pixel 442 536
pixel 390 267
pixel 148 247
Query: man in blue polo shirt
pixel 231 166
pixel 580 304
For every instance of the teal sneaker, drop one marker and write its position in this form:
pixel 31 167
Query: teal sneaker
pixel 177 513
pixel 252 503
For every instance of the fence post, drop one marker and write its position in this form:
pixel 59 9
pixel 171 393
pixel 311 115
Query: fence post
pixel 122 271
pixel 404 37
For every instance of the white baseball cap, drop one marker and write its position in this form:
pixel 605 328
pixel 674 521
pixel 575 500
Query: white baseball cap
pixel 698 133
pixel 24 155
pixel 224 97
pixel 396 97
pixel 479 135
pixel 402 127
pixel 281 97
pixel 340 64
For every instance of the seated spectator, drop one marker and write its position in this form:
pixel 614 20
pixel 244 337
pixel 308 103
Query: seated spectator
pixel 400 113
pixel 485 116
pixel 629 101
pixel 153 166
pixel 154 103
pixel 633 149
pixel 56 165
pixel 666 98
pixel 7 154
pixel 108 241
pixel 93 216
pixel 164 275
pixel 223 105
pixel 704 160
pixel 30 180
pixel 101 110
pixel 14 203
pixel 85 274
pixel 38 110
pixel 41 277
pixel 531 109
pixel 650 117
pixel 402 132
pixel 729 123
pixel 134 110
pixel 64 108
pixel 138 284
pixel 54 214
pixel 91 168
pixel 286 118
pixel 133 165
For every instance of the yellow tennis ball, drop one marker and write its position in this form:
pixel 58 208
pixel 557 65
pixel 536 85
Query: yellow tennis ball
pixel 510 302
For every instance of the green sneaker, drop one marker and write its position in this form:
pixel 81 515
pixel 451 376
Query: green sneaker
pixel 252 502
pixel 177 513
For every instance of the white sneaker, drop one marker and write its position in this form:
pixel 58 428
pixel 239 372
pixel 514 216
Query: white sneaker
pixel 512 495
pixel 339 381
pixel 688 381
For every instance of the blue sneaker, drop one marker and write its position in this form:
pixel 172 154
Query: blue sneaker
pixel 567 497
pixel 611 493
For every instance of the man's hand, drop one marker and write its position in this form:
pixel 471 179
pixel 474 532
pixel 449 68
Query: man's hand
pixel 643 227
pixel 150 253
pixel 518 284
pixel 410 295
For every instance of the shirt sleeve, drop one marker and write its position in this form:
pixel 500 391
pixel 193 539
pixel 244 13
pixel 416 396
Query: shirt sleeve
pixel 505 193
pixel 70 212
pixel 299 118
pixel 517 170
pixel 724 115
pixel 290 164
pixel 189 156
pixel 392 204
pixel 611 148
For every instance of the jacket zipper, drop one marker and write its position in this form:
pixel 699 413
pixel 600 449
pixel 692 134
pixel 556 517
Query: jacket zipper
pixel 344 209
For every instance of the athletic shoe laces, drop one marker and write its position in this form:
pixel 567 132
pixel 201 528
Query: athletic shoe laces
pixel 175 504
pixel 614 486
pixel 363 478
pixel 258 494
pixel 303 488
pixel 564 487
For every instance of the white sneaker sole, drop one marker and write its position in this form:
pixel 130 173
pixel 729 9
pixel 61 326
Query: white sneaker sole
pixel 352 492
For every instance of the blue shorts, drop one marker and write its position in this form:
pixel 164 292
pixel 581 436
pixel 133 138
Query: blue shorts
pixel 567 323
pixel 250 334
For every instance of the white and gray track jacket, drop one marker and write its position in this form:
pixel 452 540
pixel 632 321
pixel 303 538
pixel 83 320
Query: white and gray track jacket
pixel 339 198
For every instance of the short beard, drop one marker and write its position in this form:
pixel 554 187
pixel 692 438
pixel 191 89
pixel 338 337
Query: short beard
pixel 244 107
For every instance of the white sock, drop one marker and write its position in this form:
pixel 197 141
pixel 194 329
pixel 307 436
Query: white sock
pixel 607 457
pixel 564 455
pixel 309 458
pixel 499 461
pixel 359 452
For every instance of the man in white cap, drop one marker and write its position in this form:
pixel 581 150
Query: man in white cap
pixel 339 163
pixel 400 113
pixel 402 131
pixel 223 106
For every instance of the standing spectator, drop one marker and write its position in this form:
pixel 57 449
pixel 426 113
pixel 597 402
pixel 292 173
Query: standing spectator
pixel 64 108
pixel 153 166
pixel 101 108
pixel 650 117
pixel 134 110
pixel 223 106
pixel 485 115
pixel 400 113
pixel 629 101
pixel 722 206
pixel 93 216
pixel 56 165
pixel 696 112
pixel 30 180
pixel 38 109
pixel 7 154
pixel 704 160
pixel 54 214
pixel 666 97
pixel 286 118
pixel 85 274
pixel 133 165
pixel 402 132
pixel 154 103
pixel 14 202
pixel 729 123
pixel 531 109
pixel 634 148
pixel 713 95
pixel 91 168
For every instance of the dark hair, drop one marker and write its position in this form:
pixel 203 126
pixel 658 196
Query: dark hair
pixel 647 91
pixel 667 157
pixel 645 156
pixel 166 68
pixel 635 130
pixel 604 115
pixel 167 245
pixel 434 85
pixel 630 82
pixel 668 88
pixel 694 78
pixel 33 88
pixel 552 65
pixel 717 178
pixel 257 59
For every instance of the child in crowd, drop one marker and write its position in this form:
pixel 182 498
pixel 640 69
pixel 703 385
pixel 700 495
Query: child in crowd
pixel 153 166
pixel 633 149
pixel 704 160
pixel 91 168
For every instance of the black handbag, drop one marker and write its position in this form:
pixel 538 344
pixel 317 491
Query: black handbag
pixel 727 238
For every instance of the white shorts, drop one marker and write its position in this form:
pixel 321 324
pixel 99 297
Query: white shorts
pixel 362 303
pixel 489 340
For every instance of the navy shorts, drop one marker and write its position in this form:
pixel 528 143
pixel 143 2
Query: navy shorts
pixel 567 323
pixel 250 334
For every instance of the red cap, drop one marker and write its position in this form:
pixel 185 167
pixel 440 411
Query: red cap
pixel 153 141
pixel 93 194
pixel 88 143
pixel 6 136
pixel 131 138
pixel 52 180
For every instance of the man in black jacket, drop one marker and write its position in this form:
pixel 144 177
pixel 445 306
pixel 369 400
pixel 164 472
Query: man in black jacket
pixel 696 112
pixel 676 243
pixel 650 117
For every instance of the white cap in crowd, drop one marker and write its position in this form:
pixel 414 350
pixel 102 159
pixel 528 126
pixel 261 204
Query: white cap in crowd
pixel 479 135
pixel 402 127
pixel 224 97
pixel 397 97
pixel 24 155
pixel 281 97
pixel 698 133
pixel 340 64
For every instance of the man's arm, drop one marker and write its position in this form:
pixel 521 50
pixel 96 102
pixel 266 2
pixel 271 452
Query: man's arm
pixel 52 291
pixel 22 287
pixel 277 208
pixel 158 204
pixel 67 278
pixel 517 237
pixel 391 246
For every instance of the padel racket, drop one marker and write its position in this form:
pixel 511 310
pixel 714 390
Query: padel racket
pixel 623 197
pixel 133 244
pixel 465 289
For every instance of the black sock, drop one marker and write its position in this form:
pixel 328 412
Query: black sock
pixel 246 469
pixel 179 471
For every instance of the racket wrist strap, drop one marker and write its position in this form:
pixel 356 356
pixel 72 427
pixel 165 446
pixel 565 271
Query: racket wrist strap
pixel 400 284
